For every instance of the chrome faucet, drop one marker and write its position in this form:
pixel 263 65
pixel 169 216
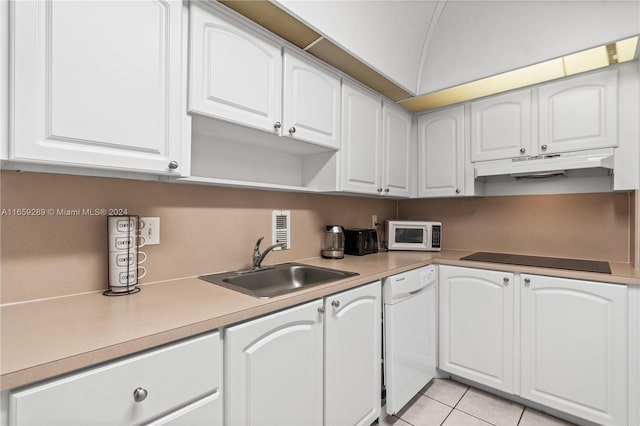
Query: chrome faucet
pixel 259 257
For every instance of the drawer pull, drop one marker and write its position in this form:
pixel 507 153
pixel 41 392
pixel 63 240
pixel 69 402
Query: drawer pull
pixel 140 394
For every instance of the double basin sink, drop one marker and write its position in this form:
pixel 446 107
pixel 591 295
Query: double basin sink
pixel 276 280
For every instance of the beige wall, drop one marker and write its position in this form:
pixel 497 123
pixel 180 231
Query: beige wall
pixel 208 229
pixel 582 226
pixel 203 229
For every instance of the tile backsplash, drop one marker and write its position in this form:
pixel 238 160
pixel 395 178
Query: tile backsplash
pixel 208 229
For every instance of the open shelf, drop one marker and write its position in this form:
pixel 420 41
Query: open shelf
pixel 232 155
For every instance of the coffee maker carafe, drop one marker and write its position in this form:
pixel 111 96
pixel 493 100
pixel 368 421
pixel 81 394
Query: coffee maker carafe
pixel 333 242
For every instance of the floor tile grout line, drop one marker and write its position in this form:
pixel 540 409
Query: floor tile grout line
pixel 462 396
pixel 445 419
pixel 476 417
pixel 521 415
pixel 469 414
pixel 454 407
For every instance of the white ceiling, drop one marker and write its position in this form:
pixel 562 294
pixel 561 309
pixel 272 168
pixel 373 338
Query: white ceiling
pixel 428 45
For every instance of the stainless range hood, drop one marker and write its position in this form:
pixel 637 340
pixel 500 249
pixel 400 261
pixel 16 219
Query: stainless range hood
pixel 585 163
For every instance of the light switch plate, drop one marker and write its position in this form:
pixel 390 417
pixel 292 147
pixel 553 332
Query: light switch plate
pixel 150 230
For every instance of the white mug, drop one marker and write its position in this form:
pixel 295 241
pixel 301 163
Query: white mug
pixel 124 224
pixel 121 277
pixel 124 242
pixel 122 259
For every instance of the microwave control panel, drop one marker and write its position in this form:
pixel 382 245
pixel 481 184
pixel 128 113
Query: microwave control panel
pixel 435 236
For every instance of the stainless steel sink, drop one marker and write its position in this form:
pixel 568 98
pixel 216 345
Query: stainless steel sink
pixel 276 280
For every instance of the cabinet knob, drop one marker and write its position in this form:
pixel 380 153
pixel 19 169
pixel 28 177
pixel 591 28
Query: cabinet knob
pixel 173 165
pixel 543 147
pixel 386 190
pixel 522 150
pixel 321 309
pixel 335 303
pixel 379 189
pixel 527 281
pixel 277 125
pixel 292 130
pixel 505 280
pixel 457 190
pixel 140 394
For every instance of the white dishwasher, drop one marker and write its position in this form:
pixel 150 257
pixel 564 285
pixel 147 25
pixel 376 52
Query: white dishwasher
pixel 410 312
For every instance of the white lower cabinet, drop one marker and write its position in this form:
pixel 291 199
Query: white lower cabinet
pixel 179 384
pixel 574 352
pixel 567 349
pixel 352 356
pixel 274 368
pixel 314 363
pixel 476 325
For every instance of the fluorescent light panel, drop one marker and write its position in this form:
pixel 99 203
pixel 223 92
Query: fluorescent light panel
pixel 586 60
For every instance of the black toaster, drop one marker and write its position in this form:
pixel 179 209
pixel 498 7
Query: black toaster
pixel 360 241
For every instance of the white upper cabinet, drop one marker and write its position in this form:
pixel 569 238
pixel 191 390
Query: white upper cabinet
pixel 378 148
pixel 441 153
pixel 97 84
pixel 361 140
pixel 574 347
pixel 235 74
pixel 501 126
pixel 239 75
pixel 398 152
pixel 311 107
pixel 579 113
pixel 573 114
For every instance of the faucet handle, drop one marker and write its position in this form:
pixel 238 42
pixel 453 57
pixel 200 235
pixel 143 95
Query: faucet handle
pixel 257 247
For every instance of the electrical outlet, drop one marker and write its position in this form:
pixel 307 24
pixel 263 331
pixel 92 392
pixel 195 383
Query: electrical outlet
pixel 150 230
pixel 374 221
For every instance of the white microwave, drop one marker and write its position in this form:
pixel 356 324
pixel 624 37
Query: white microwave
pixel 413 235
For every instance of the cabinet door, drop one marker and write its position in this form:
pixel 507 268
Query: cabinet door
pixel 274 369
pixel 235 74
pixel 476 325
pixel 397 143
pixel 98 84
pixel 579 113
pixel 574 347
pixel 352 356
pixel 311 108
pixel 361 141
pixel 441 153
pixel 501 126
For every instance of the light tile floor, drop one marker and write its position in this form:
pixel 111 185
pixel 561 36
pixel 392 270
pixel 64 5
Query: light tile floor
pixel 449 403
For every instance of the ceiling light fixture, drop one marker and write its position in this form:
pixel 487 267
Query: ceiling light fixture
pixel 586 60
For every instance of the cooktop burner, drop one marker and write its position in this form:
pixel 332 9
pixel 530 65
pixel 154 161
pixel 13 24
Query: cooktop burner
pixel 541 262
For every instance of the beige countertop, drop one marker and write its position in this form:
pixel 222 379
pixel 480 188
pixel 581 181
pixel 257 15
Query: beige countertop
pixel 45 338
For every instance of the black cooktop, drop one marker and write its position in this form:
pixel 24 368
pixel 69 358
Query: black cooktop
pixel 541 262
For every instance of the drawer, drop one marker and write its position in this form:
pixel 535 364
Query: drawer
pixel 174 376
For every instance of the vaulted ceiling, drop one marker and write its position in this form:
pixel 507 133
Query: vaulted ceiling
pixel 425 54
pixel 424 46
